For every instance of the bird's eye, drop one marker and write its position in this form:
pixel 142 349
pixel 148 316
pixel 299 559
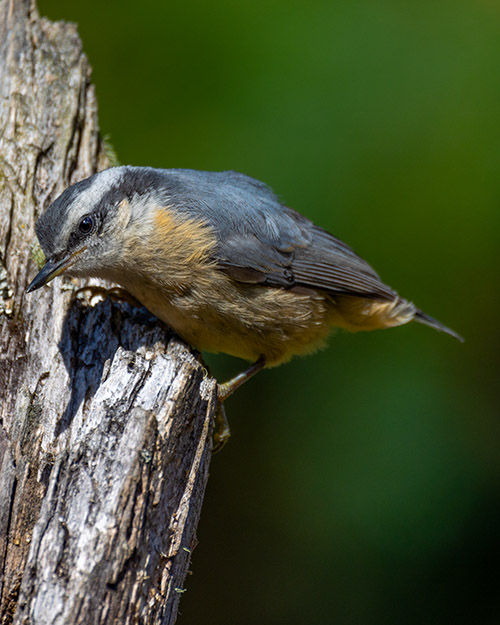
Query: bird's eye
pixel 86 225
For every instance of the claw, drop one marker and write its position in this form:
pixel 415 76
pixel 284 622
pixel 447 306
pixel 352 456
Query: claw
pixel 222 433
pixel 116 293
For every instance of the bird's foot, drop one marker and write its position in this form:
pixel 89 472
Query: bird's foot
pixel 115 293
pixel 222 433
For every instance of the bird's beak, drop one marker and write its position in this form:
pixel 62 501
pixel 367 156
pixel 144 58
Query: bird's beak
pixel 52 269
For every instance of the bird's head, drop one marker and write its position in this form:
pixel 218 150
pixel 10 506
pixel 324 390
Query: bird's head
pixel 82 233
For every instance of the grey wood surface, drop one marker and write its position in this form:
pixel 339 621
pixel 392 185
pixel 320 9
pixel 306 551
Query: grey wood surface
pixel 106 418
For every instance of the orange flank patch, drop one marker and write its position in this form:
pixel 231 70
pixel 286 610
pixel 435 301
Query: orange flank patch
pixel 183 238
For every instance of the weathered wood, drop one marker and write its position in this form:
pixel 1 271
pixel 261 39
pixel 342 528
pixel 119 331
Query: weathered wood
pixel 105 434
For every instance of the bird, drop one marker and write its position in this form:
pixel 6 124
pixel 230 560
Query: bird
pixel 221 260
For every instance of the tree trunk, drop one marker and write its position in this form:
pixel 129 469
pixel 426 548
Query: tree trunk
pixel 106 418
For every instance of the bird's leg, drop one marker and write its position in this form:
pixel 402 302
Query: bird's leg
pixel 224 390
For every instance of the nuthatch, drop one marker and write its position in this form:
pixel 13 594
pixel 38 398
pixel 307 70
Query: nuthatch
pixel 218 258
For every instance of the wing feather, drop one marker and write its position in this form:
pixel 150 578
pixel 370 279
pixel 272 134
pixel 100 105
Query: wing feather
pixel 349 279
pixel 259 240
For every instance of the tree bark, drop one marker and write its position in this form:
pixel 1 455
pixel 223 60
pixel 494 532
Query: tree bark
pixel 106 418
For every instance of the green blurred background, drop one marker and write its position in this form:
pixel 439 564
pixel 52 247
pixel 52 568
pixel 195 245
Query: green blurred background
pixel 361 485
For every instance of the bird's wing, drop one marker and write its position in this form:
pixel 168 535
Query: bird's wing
pixel 313 259
pixel 259 240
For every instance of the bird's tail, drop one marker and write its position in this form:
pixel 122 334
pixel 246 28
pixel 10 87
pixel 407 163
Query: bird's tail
pixel 421 317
